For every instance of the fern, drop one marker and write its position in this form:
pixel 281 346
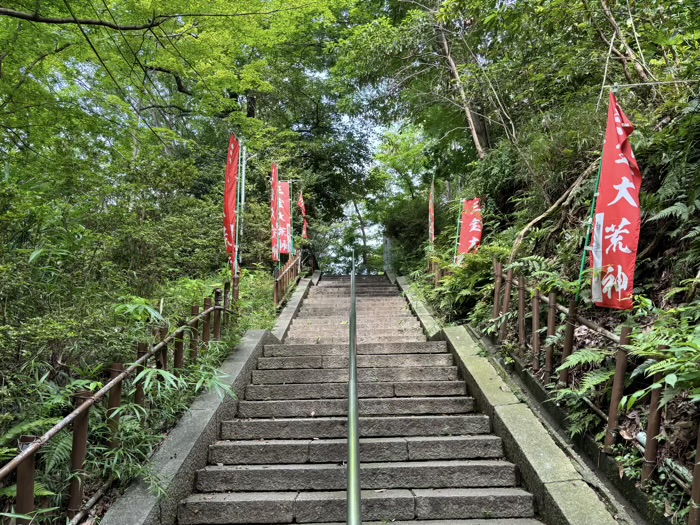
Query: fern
pixel 594 379
pixel 678 210
pixel 586 356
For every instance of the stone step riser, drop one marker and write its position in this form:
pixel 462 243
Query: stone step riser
pixel 329 322
pixel 429 474
pixel 365 375
pixel 367 407
pixel 360 339
pixel 303 428
pixel 343 335
pixel 385 506
pixel 326 329
pixel 343 330
pixel 363 361
pixel 427 347
pixel 371 450
pixel 364 390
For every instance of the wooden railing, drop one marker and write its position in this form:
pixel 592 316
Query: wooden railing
pixel 287 276
pixel 503 290
pixel 23 464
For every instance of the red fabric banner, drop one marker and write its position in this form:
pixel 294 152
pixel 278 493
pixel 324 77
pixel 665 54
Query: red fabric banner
pixel 431 214
pixel 284 222
pixel 274 215
pixel 231 201
pixel 617 216
pixel 470 232
pixel 302 207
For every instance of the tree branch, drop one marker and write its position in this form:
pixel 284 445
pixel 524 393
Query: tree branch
pixel 178 79
pixel 36 17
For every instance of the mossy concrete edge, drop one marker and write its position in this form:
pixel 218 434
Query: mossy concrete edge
pixel 431 327
pixel 184 451
pixel 291 309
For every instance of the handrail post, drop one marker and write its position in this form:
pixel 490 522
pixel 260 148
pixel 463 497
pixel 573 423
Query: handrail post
pixel 521 313
pixel 496 289
pixel 568 340
pixel 551 330
pixel 617 389
pixel 694 516
pixel 653 427
pixel 179 356
pixel 227 303
pixel 140 395
pixel 536 331
pixel 217 315
pixel 24 502
pixel 206 329
pixel 113 404
pixel 506 305
pixel 77 456
pixel 163 359
pixel 194 335
pixel 354 516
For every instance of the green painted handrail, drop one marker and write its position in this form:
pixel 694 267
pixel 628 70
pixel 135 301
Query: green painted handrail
pixel 353 489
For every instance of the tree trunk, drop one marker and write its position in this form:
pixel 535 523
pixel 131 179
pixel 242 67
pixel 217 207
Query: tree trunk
pixel 477 125
pixel 252 106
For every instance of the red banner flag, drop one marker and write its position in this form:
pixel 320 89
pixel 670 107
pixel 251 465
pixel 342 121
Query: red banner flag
pixel 231 201
pixel 470 232
pixel 431 214
pixel 284 222
pixel 274 215
pixel 617 216
pixel 302 207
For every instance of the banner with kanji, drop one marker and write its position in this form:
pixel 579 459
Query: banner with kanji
pixel 617 216
pixel 431 215
pixel 284 222
pixel 231 201
pixel 274 215
pixel 302 207
pixel 470 230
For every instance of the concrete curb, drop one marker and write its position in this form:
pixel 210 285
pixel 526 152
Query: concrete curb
pixel 316 277
pixel 185 449
pixel 391 276
pixel 291 309
pixel 562 495
pixel 432 328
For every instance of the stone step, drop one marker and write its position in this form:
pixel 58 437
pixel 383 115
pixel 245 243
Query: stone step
pixel 364 390
pixel 359 292
pixel 371 449
pixel 486 521
pixel 359 302
pixel 328 476
pixel 402 321
pixel 310 327
pixel 335 331
pixel 361 338
pixel 367 406
pixel 385 506
pixel 365 375
pixel 286 350
pixel 336 427
pixel 363 361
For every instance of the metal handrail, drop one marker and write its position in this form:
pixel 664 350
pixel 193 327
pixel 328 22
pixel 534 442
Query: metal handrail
pixel 353 488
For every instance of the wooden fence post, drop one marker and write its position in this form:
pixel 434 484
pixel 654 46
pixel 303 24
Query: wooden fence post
pixel 140 395
pixel 496 289
pixel 506 305
pixel 227 303
pixel 694 516
pixel 194 336
pixel 77 458
pixel 206 329
pixel 24 501
pixel 521 313
pixel 113 404
pixel 653 427
pixel 217 315
pixel 164 350
pixel 617 389
pixel 551 330
pixel 179 356
pixel 568 340
pixel 536 331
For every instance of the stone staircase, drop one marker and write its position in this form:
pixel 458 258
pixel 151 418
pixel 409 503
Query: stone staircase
pixel 426 455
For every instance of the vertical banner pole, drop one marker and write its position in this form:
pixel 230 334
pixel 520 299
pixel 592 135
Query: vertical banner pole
pixel 589 229
pixel 459 225
pixel 291 221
